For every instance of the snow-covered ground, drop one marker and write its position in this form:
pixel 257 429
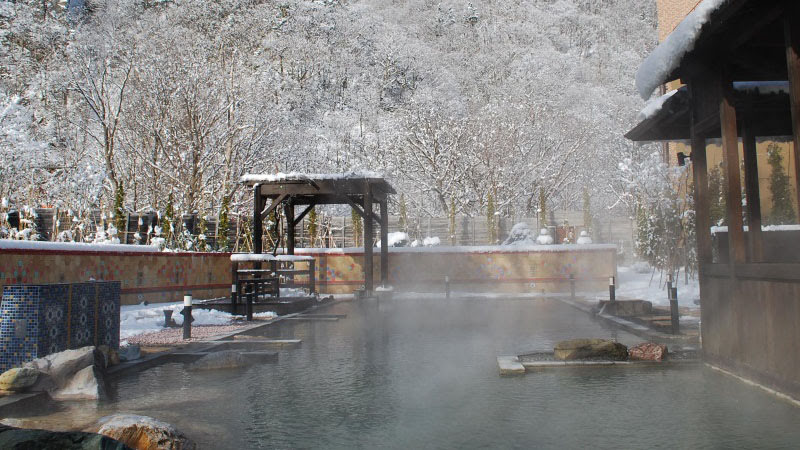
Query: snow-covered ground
pixel 141 318
pixel 634 282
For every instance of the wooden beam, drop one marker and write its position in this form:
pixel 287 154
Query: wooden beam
pixel 755 240
pixel 356 207
pixel 791 31
pixel 277 201
pixel 368 282
pixel 730 156
pixel 303 214
pixel 258 224
pixel 384 242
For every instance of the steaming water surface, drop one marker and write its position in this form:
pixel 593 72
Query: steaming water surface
pixel 423 374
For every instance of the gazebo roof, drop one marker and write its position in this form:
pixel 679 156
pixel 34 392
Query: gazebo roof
pixel 296 183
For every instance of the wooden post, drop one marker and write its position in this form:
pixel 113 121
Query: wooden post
pixel 730 155
pixel 368 283
pixel 258 224
pixel 384 241
pixel 288 211
pixel 755 240
pixel 700 177
pixel 791 30
pixel 234 283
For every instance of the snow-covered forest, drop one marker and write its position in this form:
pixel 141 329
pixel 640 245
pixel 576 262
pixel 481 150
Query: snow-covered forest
pixel 457 102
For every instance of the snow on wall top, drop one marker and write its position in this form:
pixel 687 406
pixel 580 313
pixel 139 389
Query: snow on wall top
pixel 76 246
pixel 668 55
pixel 534 248
pixel 245 257
pixel 272 177
pixel 762 87
pixel 654 106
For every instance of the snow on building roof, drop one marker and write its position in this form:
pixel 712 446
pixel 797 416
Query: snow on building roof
pixel 653 106
pixel 667 57
pixel 299 176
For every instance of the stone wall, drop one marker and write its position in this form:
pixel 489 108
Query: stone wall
pixel 166 277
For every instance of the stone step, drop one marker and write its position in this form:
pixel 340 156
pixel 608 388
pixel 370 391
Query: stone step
pixel 510 365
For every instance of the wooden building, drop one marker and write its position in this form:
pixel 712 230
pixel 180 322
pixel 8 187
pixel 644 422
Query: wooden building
pixel 740 63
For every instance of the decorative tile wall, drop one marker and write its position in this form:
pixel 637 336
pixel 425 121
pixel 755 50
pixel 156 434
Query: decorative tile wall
pixel 38 320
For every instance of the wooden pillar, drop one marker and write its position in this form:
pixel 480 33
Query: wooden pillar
pixel 258 224
pixel 755 240
pixel 701 200
pixel 288 211
pixel 730 157
pixel 368 282
pixel 791 29
pixel 384 241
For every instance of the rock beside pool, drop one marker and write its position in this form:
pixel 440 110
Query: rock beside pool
pixel 18 378
pixel 647 351
pixel 144 433
pixel 11 437
pixel 130 352
pixel 227 359
pixel 71 375
pixel 590 348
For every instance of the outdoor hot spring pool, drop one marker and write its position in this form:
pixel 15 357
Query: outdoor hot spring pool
pixel 422 373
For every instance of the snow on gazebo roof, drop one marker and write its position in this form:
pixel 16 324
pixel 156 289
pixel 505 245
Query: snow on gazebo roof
pixel 667 57
pixel 300 176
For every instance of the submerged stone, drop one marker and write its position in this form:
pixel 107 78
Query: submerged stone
pixel 226 359
pixel 647 351
pixel 590 348
pixel 19 438
pixel 144 433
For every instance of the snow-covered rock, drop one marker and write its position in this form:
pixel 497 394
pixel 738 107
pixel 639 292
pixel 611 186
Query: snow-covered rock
pixel 396 239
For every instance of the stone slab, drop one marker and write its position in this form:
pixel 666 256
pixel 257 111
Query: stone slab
pixel 510 365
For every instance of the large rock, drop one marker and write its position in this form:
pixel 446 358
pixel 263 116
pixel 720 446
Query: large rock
pixel 18 378
pixel 590 348
pixel 144 433
pixel 647 351
pixel 86 384
pixel 227 359
pixel 72 374
pixel 129 352
pixel 18 438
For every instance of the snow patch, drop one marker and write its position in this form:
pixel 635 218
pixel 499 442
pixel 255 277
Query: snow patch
pixel 141 318
pixel 654 106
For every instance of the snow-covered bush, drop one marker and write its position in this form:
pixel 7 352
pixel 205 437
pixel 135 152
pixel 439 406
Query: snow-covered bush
pixel 584 238
pixel 544 237
pixel 520 234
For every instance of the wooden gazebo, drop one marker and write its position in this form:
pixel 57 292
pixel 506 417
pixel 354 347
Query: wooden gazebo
pixel 359 190
pixel 739 61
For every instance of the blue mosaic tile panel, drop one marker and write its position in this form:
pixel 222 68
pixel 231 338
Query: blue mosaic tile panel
pixel 37 320
pixel 18 325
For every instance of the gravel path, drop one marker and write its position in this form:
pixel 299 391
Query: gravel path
pixel 171 336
